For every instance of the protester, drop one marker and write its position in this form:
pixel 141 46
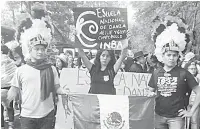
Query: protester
pixel 192 68
pixel 68 53
pixel 140 65
pixel 61 62
pixel 172 83
pixel 103 70
pixel 7 72
pixel 18 57
pixel 75 62
pixel 190 56
pixel 128 63
pixel 122 68
pixel 153 63
pixel 70 61
pixel 37 79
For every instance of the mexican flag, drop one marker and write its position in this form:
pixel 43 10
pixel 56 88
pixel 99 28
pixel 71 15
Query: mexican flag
pixel 112 112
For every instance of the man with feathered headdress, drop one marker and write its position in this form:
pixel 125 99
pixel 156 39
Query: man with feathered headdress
pixel 172 83
pixel 37 79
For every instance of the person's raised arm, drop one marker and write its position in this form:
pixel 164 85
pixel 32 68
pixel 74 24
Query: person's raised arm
pixel 120 60
pixel 83 56
pixel 123 53
pixel 86 61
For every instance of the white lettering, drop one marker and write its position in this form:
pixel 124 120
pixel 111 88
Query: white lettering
pixel 111 45
pixel 103 13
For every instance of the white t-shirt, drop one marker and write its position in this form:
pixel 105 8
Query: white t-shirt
pixel 28 80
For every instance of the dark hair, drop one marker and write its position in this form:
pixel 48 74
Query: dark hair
pixel 18 50
pixel 188 64
pixel 5 49
pixel 79 62
pixel 110 64
pixel 154 59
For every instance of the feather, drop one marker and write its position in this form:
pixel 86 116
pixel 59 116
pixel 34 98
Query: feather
pixel 170 29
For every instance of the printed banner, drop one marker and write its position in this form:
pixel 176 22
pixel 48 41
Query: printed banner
pixel 104 112
pixel 100 28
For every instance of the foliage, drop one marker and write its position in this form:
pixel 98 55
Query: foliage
pixel 61 15
pixel 147 11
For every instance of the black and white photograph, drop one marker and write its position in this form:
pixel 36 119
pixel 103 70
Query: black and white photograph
pixel 100 64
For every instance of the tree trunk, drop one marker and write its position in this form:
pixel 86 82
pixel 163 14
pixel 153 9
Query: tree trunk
pixel 63 39
pixel 195 16
pixel 193 29
pixel 13 15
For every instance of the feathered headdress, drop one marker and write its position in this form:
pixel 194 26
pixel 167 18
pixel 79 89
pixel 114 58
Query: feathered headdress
pixel 35 29
pixel 170 34
pixel 12 45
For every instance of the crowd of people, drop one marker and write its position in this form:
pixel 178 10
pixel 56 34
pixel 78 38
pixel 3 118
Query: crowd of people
pixel 32 82
pixel 103 66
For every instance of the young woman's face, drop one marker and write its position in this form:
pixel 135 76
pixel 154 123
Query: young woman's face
pixel 105 58
pixel 58 63
pixel 170 58
pixel 192 69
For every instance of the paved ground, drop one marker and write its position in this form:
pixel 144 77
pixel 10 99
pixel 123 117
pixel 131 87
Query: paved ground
pixel 16 121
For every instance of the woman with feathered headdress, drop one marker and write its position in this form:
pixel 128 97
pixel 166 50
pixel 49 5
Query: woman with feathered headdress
pixel 171 82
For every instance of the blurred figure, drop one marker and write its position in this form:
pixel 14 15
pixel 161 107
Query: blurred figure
pixel 69 56
pixel 16 52
pixel 190 56
pixel 61 62
pixel 122 68
pixel 18 57
pixel 128 63
pixel 68 53
pixel 192 68
pixel 70 62
pixel 140 65
pixel 75 62
pixel 8 69
pixel 153 63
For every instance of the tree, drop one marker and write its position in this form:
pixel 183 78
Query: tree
pixel 147 11
pixel 61 15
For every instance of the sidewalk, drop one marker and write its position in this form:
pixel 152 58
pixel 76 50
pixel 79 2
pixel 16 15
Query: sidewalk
pixel 16 121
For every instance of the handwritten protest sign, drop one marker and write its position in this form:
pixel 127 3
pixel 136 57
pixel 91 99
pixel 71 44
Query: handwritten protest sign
pixel 126 83
pixel 100 28
pixel 78 81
